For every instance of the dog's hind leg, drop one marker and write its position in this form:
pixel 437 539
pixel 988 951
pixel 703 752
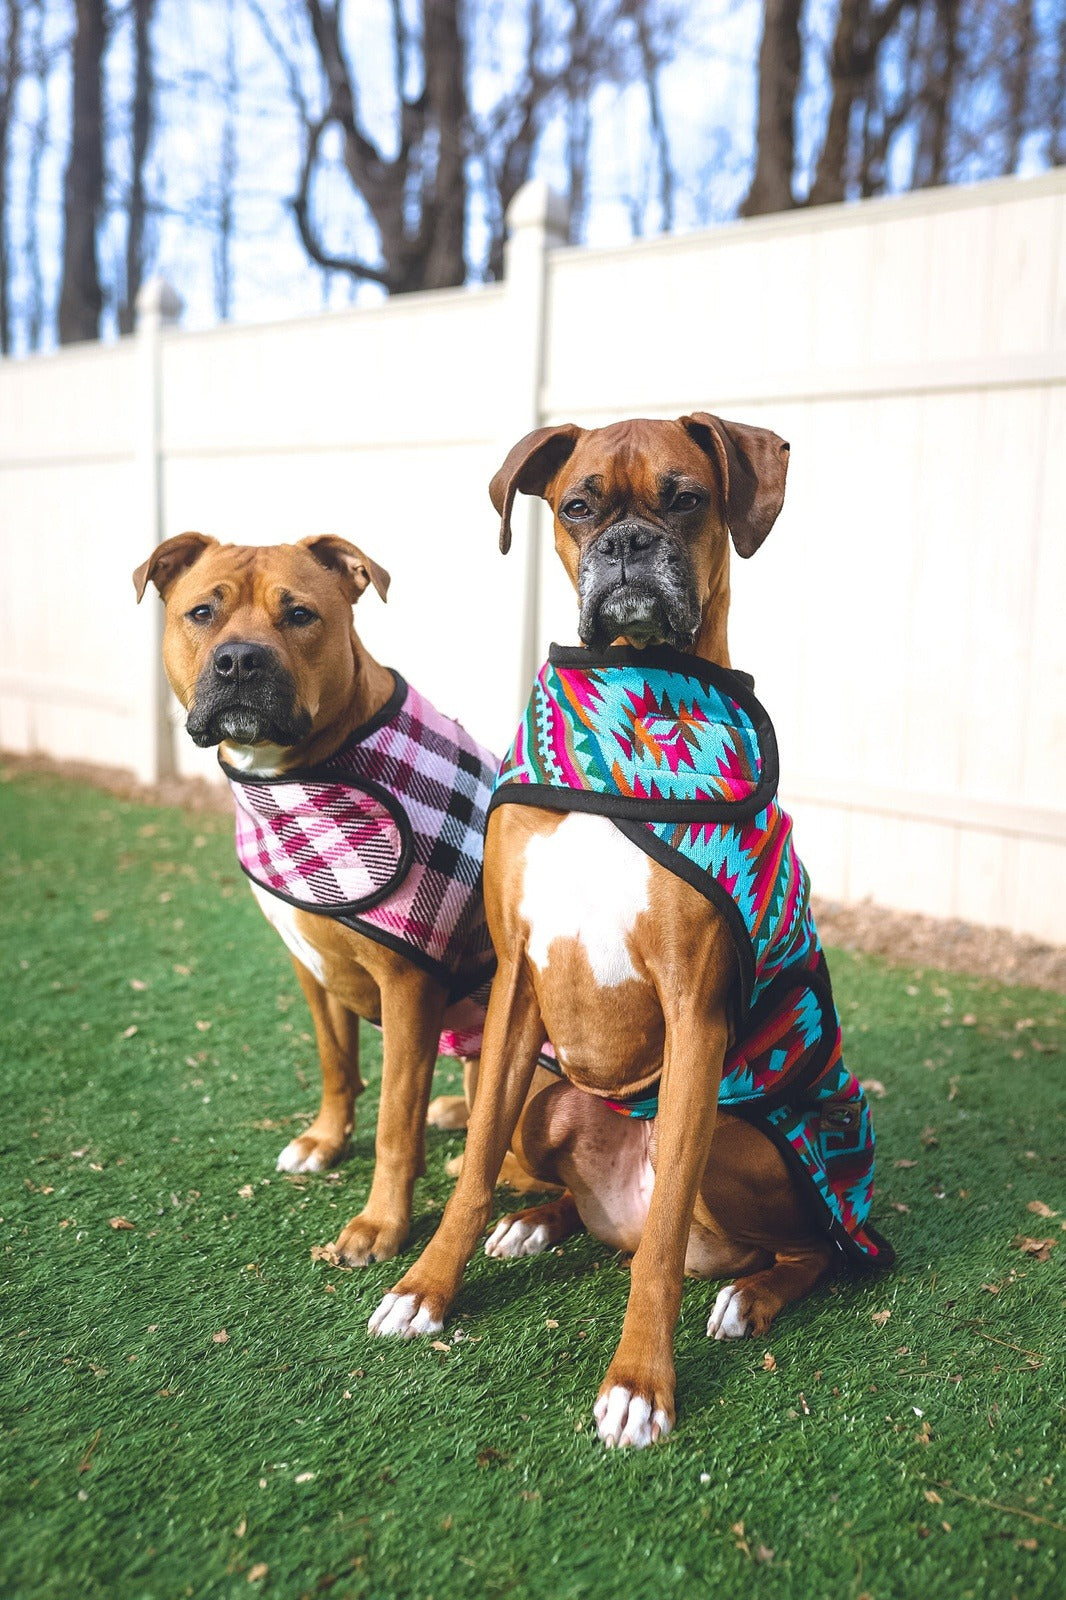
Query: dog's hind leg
pixel 337 1036
pixel 746 1308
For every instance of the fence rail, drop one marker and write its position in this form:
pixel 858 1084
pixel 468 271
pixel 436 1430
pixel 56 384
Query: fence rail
pixel 904 620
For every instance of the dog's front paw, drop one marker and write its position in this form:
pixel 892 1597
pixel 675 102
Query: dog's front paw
pixel 404 1316
pixel 311 1152
pixel 632 1416
pixel 365 1241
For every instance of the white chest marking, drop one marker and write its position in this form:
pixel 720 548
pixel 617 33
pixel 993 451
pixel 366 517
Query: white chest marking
pixel 585 881
pixel 261 760
pixel 282 917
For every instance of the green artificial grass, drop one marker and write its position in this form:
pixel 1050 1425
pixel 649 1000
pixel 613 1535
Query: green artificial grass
pixel 191 1405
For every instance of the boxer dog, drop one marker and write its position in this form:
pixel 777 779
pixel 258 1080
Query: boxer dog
pixel 671 984
pixel 360 819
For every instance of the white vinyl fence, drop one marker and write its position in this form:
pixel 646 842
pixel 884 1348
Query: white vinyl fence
pixel 906 620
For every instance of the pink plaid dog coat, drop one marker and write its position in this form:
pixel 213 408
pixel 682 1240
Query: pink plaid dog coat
pixel 387 836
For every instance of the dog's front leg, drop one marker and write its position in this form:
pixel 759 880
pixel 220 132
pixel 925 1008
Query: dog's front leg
pixel 514 1033
pixel 337 1037
pixel 412 1009
pixel 635 1405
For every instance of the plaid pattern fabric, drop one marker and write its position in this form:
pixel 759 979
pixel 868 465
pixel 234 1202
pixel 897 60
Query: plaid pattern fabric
pixel 683 758
pixel 388 837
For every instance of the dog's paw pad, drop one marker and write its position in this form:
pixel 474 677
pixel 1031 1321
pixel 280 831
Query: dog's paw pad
pixel 517 1236
pixel 727 1320
pixel 625 1420
pixel 403 1316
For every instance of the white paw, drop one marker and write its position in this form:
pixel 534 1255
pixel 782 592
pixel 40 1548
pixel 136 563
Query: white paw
pixel 625 1419
pixel 397 1315
pixel 726 1321
pixel 292 1159
pixel 517 1238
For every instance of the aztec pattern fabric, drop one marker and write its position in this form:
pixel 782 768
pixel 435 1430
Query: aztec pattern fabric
pixel 387 836
pixel 683 759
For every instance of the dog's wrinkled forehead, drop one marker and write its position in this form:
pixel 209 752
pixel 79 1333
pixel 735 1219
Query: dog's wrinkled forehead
pixel 639 461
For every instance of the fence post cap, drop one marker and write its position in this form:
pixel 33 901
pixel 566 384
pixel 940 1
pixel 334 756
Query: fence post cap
pixel 538 205
pixel 158 301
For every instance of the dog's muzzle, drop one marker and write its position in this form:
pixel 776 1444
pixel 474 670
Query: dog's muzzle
pixel 244 694
pixel 635 583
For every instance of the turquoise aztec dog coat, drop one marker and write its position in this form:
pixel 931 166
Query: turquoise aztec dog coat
pixel 387 836
pixel 683 759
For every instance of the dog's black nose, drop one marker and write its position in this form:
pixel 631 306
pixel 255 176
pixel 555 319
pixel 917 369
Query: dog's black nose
pixel 626 540
pixel 236 661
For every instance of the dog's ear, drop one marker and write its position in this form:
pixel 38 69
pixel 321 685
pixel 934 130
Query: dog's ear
pixel 753 463
pixel 168 559
pixel 530 466
pixel 356 569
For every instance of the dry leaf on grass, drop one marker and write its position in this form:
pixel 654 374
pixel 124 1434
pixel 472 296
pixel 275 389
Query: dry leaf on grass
pixel 127 1033
pixel 303 1477
pixel 221 1337
pixel 764 1554
pixel 203 1026
pixel 932 1497
pixel 257 1573
pixel 929 1138
pixel 875 1087
pixel 246 1191
pixel 121 1223
pixel 991 1288
pixel 902 1165
pixel 768 1362
pixel 327 1253
pixel 880 1317
pixel 1039 1249
pixel 551 1323
pixel 439 1344
pixel 1039 1209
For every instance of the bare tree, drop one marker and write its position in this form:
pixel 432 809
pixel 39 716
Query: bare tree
pixel 38 141
pixel 780 63
pixel 80 297
pixel 227 175
pixel 655 38
pixel 142 120
pixel 860 32
pixel 10 73
pixel 416 198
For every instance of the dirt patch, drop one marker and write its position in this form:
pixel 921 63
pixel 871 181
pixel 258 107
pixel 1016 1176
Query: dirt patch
pixel 916 941
pixel 903 937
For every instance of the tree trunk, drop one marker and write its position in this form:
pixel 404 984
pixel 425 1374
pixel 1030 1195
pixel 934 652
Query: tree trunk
pixel 444 204
pixel 848 71
pixel 80 299
pixel 142 119
pixel 780 60
pixel 8 89
pixel 38 143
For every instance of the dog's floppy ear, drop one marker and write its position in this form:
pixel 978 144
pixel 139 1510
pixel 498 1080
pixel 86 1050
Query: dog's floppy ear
pixel 357 570
pixel 168 559
pixel 753 463
pixel 530 466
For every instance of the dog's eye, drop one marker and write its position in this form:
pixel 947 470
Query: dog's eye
pixel 576 509
pixel 300 616
pixel 685 501
pixel 202 613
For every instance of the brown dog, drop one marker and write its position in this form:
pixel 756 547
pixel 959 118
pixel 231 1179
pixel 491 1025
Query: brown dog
pixel 260 648
pixel 636 974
